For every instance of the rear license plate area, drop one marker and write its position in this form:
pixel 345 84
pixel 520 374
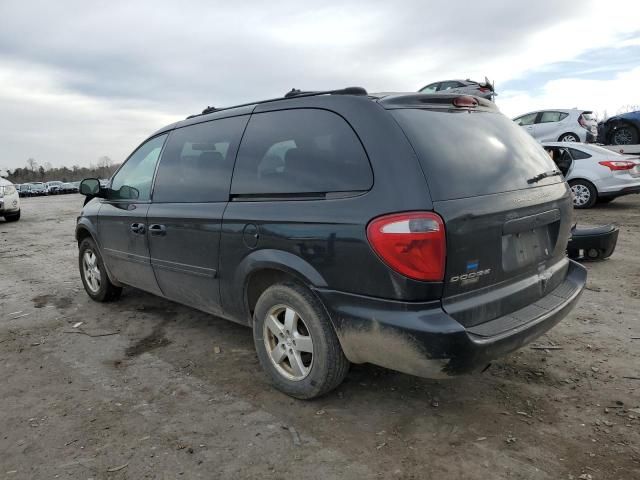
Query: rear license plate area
pixel 528 247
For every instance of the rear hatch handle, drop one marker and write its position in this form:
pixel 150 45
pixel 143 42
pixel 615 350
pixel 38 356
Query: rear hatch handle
pixel 540 176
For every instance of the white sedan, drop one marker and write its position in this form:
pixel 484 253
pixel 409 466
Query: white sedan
pixel 595 174
pixel 9 201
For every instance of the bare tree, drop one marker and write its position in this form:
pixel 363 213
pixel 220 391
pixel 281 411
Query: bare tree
pixel 47 166
pixel 628 108
pixel 32 164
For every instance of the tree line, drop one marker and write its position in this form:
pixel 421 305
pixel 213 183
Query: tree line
pixel 33 172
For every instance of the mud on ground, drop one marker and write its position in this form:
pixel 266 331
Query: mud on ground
pixel 146 388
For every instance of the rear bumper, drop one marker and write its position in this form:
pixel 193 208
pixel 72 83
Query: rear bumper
pixel 621 192
pixel 422 339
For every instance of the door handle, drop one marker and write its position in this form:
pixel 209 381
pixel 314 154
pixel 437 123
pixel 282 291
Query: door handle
pixel 157 230
pixel 138 228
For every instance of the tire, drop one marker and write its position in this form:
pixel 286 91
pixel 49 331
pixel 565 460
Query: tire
pixel 297 372
pixel 568 137
pixel 584 194
pixel 625 134
pixel 12 217
pixel 97 285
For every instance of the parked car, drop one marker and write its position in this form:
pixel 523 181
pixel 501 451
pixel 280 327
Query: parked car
pixel 37 189
pixel 467 87
pixel 9 201
pixel 560 125
pixel 282 228
pixel 594 173
pixel 67 187
pixel 622 129
pixel 23 190
pixel 53 188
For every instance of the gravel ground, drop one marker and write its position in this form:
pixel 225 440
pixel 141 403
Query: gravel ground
pixel 146 388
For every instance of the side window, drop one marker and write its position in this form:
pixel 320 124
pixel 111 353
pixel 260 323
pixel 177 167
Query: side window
pixel 300 151
pixel 548 117
pixel 133 180
pixel 578 154
pixel 197 162
pixel 449 85
pixel 430 88
pixel 526 119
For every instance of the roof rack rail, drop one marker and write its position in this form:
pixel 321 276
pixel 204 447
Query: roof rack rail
pixel 293 93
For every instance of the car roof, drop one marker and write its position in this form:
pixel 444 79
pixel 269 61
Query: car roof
pixel 386 99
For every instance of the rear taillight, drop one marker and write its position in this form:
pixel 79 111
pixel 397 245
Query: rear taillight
pixel 411 243
pixel 582 121
pixel 618 164
pixel 484 89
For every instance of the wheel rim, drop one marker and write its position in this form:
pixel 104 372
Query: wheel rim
pixel 581 195
pixel 568 138
pixel 91 271
pixel 623 136
pixel 288 342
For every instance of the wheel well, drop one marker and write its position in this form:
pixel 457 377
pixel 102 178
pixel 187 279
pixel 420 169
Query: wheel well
pixel 82 234
pixel 261 280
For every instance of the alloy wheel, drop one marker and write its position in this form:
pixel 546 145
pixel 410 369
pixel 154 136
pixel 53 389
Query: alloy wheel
pixel 288 342
pixel 91 270
pixel 581 195
pixel 623 136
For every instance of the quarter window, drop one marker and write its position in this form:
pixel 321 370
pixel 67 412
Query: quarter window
pixel 300 151
pixel 197 162
pixel 578 154
pixel 133 180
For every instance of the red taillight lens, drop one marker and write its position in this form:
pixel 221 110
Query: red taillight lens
pixel 465 101
pixel 484 89
pixel 618 164
pixel 412 244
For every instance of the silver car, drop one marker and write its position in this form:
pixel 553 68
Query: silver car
pixel 573 125
pixel 594 173
pixel 468 87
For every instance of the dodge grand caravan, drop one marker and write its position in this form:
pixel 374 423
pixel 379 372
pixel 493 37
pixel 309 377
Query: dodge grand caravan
pixel 423 233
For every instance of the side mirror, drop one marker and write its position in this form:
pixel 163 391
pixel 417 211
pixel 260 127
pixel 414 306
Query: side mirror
pixel 90 187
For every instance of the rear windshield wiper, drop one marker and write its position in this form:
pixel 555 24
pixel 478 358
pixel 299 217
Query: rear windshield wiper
pixel 540 176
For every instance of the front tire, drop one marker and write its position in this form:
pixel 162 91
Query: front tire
pixel 12 217
pixel 94 274
pixel 296 343
pixel 584 194
pixel 625 134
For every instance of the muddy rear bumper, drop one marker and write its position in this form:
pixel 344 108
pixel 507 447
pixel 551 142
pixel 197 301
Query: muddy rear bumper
pixel 422 339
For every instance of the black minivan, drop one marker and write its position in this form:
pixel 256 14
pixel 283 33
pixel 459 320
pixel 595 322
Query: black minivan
pixel 423 233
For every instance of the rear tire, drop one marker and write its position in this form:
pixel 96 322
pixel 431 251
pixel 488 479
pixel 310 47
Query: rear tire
pixel 12 217
pixel 584 194
pixel 289 321
pixel 568 137
pixel 94 274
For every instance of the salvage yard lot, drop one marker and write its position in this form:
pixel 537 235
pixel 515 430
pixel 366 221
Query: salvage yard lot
pixel 146 388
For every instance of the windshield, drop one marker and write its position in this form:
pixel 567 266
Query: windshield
pixel 466 154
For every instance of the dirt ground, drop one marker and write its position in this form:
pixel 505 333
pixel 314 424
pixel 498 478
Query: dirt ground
pixel 146 388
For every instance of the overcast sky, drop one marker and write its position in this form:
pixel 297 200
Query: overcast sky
pixel 79 81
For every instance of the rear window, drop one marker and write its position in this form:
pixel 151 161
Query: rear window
pixel 466 154
pixel 300 151
pixel 548 117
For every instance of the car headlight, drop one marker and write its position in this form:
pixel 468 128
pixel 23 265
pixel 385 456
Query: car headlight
pixel 9 190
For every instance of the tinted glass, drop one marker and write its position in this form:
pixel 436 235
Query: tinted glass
pixel 548 117
pixel 430 88
pixel 465 154
pixel 133 180
pixel 300 151
pixel 578 154
pixel 197 162
pixel 526 119
pixel 449 85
